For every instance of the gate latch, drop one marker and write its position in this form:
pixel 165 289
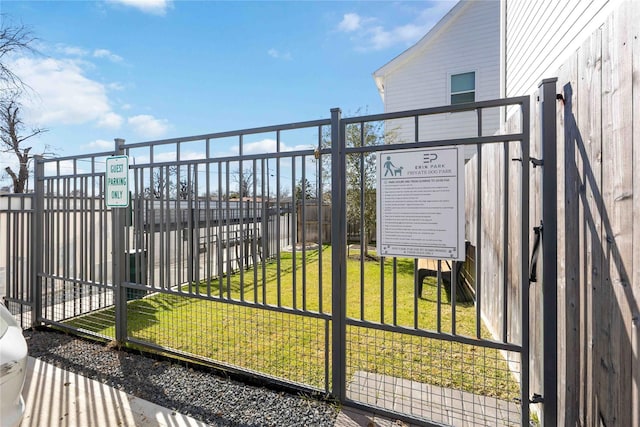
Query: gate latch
pixel 536 162
pixel 536 398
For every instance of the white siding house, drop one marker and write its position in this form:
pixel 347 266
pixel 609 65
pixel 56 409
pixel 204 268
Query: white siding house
pixel 458 60
pixel 537 36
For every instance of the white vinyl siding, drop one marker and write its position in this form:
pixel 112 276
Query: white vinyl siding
pixel 538 35
pixel 470 42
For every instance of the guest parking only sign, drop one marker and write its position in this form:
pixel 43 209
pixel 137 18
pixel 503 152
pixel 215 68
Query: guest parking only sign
pixel 116 191
pixel 420 203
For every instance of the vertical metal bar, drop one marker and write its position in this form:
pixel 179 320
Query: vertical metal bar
pixel 319 197
pixel 524 267
pixel 92 227
pixel 478 272
pixel 549 250
pixel 278 231
pixel 242 233
pixel 256 232
pixel 382 261
pixel 395 291
pixel 439 298
pixel 180 225
pixel 363 238
pixel 294 234
pixel 220 231
pixel 37 239
pixel 227 247
pixel 338 245
pixel 189 230
pixel 119 263
pixel 150 220
pixel 505 245
pixel 208 270
pixel 454 285
pixel 166 207
pixel 327 349
pixel 304 233
pixel 416 294
pixel 264 226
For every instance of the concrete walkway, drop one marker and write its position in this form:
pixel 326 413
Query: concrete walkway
pixel 55 397
pixel 58 398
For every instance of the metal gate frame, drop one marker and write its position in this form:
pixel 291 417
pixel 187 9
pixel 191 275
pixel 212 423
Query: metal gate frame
pixel 337 318
pixel 339 153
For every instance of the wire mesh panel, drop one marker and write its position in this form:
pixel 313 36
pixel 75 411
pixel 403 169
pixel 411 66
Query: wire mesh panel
pixel 226 247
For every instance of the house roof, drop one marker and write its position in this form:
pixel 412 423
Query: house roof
pixel 380 74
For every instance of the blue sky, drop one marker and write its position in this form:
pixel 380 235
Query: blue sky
pixel 152 69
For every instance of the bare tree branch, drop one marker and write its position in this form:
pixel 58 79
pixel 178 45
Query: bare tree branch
pixel 12 139
pixel 13 39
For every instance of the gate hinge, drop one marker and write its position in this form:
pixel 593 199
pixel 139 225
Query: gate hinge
pixel 536 398
pixel 537 162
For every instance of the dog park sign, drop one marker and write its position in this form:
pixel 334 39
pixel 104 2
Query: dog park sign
pixel 116 183
pixel 420 203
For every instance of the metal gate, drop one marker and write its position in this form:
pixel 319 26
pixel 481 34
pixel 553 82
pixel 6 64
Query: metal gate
pixel 233 251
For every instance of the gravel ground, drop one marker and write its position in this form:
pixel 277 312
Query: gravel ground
pixel 199 393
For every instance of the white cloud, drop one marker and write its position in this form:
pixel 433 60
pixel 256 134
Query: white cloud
pixel 100 144
pixel 350 22
pixel 73 99
pixel 148 126
pixel 367 33
pixel 153 7
pixel 115 86
pixel 267 145
pixel 170 156
pixel 70 50
pixel 407 34
pixel 105 53
pixel 110 121
pixel 66 167
pixel 274 53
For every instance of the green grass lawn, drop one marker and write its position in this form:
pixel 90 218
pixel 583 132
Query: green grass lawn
pixel 297 348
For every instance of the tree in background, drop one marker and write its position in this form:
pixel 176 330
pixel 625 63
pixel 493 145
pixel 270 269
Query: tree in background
pixel 13 131
pixel 244 178
pixel 13 40
pixel 361 178
pixel 304 190
pixel 360 174
pixel 13 134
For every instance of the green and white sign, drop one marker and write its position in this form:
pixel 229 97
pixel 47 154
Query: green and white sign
pixel 420 203
pixel 116 191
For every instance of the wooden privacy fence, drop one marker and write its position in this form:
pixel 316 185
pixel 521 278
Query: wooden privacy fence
pixel 598 216
pixel 599 258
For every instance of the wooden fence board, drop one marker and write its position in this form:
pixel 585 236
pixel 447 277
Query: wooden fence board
pixel 589 152
pixel 634 17
pixel 568 226
pixel 614 399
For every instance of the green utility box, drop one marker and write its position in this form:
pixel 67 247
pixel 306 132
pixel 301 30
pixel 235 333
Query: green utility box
pixel 137 259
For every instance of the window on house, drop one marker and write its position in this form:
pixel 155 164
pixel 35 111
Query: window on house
pixel 463 88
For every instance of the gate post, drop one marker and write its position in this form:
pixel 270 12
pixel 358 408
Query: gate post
pixel 119 262
pixel 549 251
pixel 37 239
pixel 338 257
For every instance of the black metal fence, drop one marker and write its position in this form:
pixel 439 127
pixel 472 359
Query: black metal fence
pixel 210 262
